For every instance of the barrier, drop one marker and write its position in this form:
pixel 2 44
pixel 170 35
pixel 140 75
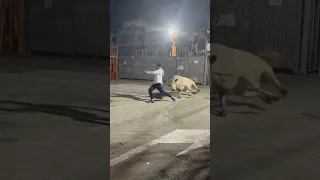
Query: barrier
pixel 191 66
pixel 114 73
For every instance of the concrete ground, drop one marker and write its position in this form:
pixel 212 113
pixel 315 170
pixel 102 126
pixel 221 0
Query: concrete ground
pixel 54 124
pixel 54 119
pixel 255 141
pixel 280 143
pixel 135 123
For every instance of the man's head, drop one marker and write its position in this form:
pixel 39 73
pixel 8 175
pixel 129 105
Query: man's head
pixel 158 65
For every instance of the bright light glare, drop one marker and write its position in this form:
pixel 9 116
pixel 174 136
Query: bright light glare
pixel 171 31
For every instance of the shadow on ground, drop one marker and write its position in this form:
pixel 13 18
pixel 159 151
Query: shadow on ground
pixel 66 111
pixel 157 96
pixel 27 64
pixel 215 105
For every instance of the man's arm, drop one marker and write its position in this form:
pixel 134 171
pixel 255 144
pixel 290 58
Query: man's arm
pixel 153 72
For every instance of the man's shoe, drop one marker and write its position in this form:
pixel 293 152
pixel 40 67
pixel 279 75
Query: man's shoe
pixel 151 101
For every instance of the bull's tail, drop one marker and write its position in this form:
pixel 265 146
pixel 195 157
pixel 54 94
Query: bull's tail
pixel 271 57
pixel 268 71
pixel 195 80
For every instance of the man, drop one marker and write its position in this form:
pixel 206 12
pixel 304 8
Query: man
pixel 190 46
pixel 157 84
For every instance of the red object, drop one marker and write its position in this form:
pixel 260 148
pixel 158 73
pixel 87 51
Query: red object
pixel 12 26
pixel 114 73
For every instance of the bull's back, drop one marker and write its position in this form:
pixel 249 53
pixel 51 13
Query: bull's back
pixel 183 80
pixel 231 66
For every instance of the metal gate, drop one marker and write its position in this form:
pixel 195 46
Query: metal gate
pixel 114 74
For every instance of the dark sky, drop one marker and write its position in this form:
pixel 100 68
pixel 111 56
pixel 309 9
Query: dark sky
pixel 183 13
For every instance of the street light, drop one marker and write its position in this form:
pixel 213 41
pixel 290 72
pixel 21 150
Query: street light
pixel 172 34
pixel 172 31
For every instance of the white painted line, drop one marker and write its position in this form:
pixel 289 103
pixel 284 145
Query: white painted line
pixel 198 138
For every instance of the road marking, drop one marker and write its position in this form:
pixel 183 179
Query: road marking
pixel 198 138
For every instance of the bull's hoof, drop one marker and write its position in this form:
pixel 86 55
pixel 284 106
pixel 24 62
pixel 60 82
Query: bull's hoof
pixel 267 100
pixel 271 99
pixel 275 98
pixel 284 92
pixel 221 113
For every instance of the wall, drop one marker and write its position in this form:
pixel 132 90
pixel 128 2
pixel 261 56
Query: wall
pixel 68 27
pixel 256 26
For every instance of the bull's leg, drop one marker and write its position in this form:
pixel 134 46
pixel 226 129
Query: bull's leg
pixel 179 93
pixel 274 80
pixel 249 93
pixel 267 96
pixel 222 111
pixel 190 89
pixel 195 86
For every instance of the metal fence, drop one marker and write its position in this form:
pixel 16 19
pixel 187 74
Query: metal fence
pixel 192 66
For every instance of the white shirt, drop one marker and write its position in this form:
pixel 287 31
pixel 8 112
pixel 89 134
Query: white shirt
pixel 158 74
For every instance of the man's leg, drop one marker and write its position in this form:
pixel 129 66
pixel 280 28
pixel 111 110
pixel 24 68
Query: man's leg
pixel 152 87
pixel 160 89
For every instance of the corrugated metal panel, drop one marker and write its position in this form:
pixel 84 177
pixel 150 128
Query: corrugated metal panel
pixel 90 27
pixel 48 26
pixel 260 26
pixel 224 32
pixel 69 27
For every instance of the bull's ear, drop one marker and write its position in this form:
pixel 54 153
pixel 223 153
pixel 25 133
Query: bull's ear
pixel 175 80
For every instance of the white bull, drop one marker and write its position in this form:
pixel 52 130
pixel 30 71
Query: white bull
pixel 183 84
pixel 233 71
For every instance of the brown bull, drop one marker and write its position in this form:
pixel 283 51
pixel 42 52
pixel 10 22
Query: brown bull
pixel 233 71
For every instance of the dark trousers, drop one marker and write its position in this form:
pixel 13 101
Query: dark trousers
pixel 159 88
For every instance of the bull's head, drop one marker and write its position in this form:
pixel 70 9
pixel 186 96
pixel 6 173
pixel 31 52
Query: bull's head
pixel 172 84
